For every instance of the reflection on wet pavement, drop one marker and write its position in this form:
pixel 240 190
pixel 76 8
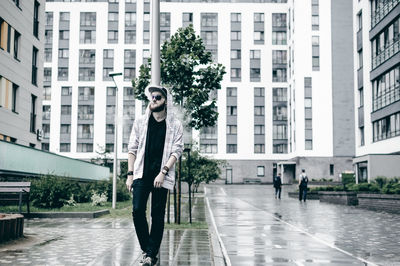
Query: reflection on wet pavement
pixel 257 229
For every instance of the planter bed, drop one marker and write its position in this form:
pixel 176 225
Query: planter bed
pixel 379 202
pixel 310 195
pixel 11 226
pixel 338 197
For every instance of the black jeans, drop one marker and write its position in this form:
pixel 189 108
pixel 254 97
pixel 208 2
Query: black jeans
pixel 149 242
pixel 278 192
pixel 302 193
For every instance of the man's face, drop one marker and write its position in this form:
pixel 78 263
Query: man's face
pixel 157 103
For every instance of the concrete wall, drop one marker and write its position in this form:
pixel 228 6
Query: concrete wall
pixel 244 169
pixel 383 165
pixel 319 167
pixel 342 78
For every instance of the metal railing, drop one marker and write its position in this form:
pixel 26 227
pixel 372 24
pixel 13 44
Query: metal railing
pixel 381 12
pixel 385 54
pixel 389 97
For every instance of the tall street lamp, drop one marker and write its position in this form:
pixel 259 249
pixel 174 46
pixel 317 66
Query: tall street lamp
pixel 114 191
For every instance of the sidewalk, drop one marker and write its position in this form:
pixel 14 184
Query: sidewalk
pixel 107 241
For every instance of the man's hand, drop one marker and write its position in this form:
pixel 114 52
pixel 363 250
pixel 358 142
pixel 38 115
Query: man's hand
pixel 159 180
pixel 129 182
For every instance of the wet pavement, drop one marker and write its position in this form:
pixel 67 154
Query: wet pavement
pixel 257 229
pixel 106 241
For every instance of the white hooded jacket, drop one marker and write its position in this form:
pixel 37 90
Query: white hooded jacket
pixel 173 144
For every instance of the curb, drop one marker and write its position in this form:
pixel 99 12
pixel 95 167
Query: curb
pixel 56 215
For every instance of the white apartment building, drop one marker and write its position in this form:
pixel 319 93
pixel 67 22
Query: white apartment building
pixel 286 101
pixel 377 88
pixel 21 71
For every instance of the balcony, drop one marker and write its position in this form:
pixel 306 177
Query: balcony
pixel 393 95
pixel 382 11
pixel 386 54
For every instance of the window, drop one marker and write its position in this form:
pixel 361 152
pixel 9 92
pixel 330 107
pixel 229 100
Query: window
pixel 62 73
pixel 279 94
pixel 65 147
pixel 235 54
pixel 259 148
pixel 360 59
pixel 33 114
pixel 48 54
pixel 130 19
pixel 36 19
pixel 209 19
pixel 279 37
pixel 208 148
pixel 259 92
pixel 259 36
pixel 87 56
pixel 255 54
pixel 46 93
pixel 236 35
pixel 64 34
pixel 106 73
pixel 48 37
pixel 279 57
pixel 362 141
pixel 315 14
pixel 7 41
pixel 86 93
pixel 279 132
pixel 45 146
pixel 87 36
pixel 110 129
pixel 331 169
pixel 315 53
pixel 129 73
pixel 88 19
pixel 260 171
pixel 308 145
pixel 165 19
pixel 86 112
pixel 258 17
pixel 86 74
pixel 85 131
pixel 255 74
pixel 46 131
pixel 112 36
pixel 236 17
pixel 259 110
pixel 231 110
pixel 280 113
pixel 279 148
pixel 64 16
pixel 259 130
pixel 66 91
pixel 35 52
pixel 231 91
pixel 279 20
pixel 130 36
pixel 112 16
pixel 187 19
pixel 236 73
pixel 210 37
pixel 63 53
pixel 108 54
pixel 84 147
pixel 359 21
pixel 65 109
pixel 8 94
pixel 279 75
pixel 47 74
pixel 129 56
pixel 111 91
pixel 231 148
pixel 231 129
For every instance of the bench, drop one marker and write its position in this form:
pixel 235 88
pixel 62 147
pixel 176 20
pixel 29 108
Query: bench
pixel 251 180
pixel 15 192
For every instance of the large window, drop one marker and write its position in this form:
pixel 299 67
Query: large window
pixel 88 18
pixel 387 127
pixel 36 19
pixel 35 53
pixel 8 94
pixel 87 56
pixel 9 39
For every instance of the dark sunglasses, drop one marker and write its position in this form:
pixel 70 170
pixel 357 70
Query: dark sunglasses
pixel 157 97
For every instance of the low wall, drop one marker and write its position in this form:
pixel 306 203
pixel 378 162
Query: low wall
pixel 11 226
pixel 310 195
pixel 380 202
pixel 338 197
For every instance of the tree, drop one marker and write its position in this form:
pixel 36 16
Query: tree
pixel 189 73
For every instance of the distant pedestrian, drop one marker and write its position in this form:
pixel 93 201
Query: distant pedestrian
pixel 154 146
pixel 303 181
pixel 278 185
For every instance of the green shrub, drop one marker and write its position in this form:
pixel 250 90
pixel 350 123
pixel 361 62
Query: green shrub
pixel 49 192
pixel 365 187
pixel 391 188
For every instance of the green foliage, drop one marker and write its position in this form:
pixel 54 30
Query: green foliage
pixel 202 169
pixel 189 73
pixel 49 192
pixel 54 192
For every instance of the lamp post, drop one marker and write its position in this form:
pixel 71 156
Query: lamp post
pixel 190 181
pixel 114 190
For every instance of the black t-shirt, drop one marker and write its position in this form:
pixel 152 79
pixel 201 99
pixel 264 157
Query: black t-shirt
pixel 154 149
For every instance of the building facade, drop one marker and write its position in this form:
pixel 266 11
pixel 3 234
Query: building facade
pixel 286 101
pixel 377 88
pixel 21 71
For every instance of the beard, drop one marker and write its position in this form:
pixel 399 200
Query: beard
pixel 158 108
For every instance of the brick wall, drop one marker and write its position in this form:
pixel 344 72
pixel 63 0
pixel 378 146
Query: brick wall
pixel 379 202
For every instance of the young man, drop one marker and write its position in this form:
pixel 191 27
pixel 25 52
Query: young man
pixel 303 181
pixel 155 145
pixel 278 185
